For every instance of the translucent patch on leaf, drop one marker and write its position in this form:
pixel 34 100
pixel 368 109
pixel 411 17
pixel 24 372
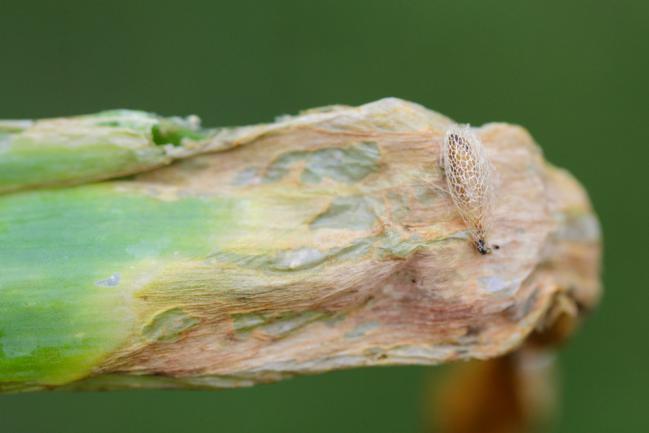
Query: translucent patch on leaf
pixel 245 322
pixel 291 322
pixel 582 228
pixel 346 165
pixel 352 213
pixel 111 281
pixel 396 244
pixel 494 284
pixel 275 325
pixel 169 325
pixel 247 176
pixel 298 259
pixel 362 329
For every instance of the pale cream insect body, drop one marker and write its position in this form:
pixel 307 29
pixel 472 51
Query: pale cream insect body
pixel 469 178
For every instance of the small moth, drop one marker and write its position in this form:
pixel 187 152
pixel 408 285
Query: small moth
pixel 470 181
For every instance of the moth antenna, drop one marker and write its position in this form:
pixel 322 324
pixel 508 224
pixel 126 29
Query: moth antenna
pixel 469 178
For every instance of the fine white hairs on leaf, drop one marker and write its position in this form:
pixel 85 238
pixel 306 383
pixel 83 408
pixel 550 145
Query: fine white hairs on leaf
pixel 469 179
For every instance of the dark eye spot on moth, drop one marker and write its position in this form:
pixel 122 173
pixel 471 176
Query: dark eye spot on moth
pixel 482 247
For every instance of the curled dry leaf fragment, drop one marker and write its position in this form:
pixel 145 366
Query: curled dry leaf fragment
pixel 235 256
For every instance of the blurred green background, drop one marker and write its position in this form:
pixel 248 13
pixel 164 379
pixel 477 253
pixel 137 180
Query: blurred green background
pixel 575 73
